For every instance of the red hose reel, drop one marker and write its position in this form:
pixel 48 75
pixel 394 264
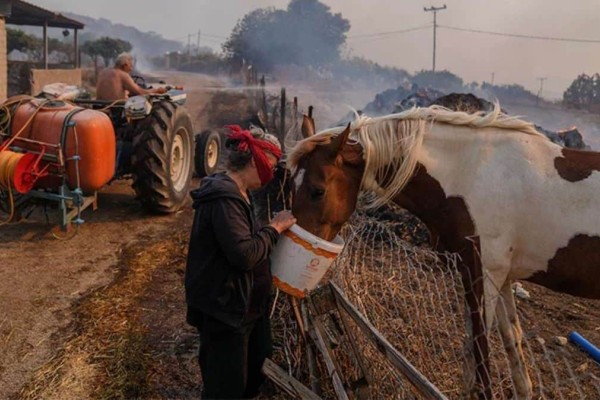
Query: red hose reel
pixel 21 170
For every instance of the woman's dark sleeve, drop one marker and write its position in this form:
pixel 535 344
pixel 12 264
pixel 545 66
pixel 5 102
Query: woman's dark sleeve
pixel 234 234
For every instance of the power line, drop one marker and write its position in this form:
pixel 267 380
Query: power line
pixel 214 36
pixel 556 39
pixel 212 41
pixel 378 34
pixel 180 38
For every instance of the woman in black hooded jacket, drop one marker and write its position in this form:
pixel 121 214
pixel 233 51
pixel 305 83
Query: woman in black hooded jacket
pixel 228 277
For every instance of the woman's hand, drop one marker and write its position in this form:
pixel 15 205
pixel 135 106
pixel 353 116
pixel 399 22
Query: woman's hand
pixel 282 221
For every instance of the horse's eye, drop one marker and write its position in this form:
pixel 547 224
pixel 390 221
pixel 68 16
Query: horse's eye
pixel 317 193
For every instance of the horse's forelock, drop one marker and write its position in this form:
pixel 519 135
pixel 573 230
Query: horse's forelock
pixel 307 146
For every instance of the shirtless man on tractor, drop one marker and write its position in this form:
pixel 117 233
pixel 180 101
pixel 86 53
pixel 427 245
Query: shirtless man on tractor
pixel 116 83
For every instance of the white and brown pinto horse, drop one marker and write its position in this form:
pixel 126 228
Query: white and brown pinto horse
pixel 532 204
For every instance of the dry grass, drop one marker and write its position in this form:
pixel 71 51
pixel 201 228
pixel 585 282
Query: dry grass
pixel 106 355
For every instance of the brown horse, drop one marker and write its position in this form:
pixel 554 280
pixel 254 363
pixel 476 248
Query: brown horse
pixel 530 202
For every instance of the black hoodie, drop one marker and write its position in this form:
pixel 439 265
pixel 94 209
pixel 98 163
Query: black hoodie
pixel 227 274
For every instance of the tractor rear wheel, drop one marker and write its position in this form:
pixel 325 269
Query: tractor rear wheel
pixel 208 149
pixel 162 160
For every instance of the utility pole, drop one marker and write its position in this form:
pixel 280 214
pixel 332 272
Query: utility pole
pixel 493 73
pixel 198 43
pixel 537 100
pixel 435 10
pixel 189 51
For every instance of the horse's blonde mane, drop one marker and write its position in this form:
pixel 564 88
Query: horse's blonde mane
pixel 391 143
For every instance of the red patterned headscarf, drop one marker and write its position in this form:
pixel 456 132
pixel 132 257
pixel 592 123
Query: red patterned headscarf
pixel 257 147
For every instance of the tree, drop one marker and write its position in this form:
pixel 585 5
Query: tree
pixel 105 47
pixel 17 39
pixel 583 93
pixel 307 33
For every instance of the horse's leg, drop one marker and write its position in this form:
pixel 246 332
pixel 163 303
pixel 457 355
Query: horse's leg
pixel 512 336
pixel 476 374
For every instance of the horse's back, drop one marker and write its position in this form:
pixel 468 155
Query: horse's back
pixel 528 198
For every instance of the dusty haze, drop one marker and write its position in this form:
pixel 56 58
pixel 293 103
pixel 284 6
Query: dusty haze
pixel 472 56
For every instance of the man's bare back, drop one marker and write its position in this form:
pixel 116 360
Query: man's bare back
pixel 116 84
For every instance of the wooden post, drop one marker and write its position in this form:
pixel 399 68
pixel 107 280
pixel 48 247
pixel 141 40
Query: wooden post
pixel 295 108
pixel 263 95
pixel 76 48
pixel 45 40
pixel 282 117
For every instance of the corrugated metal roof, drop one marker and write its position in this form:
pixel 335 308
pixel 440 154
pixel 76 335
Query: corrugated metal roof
pixel 24 13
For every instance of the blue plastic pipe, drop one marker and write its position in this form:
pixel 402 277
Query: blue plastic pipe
pixel 586 346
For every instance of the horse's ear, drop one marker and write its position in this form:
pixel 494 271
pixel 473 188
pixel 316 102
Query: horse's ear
pixel 337 144
pixel 308 126
pixel 347 153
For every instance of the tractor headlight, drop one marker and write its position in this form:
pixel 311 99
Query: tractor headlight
pixel 137 107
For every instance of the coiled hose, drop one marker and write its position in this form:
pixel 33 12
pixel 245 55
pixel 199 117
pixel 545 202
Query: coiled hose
pixel 8 165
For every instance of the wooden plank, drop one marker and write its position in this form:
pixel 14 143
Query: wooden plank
pixel 287 383
pixel 317 333
pixel 315 382
pixel 366 376
pixel 418 380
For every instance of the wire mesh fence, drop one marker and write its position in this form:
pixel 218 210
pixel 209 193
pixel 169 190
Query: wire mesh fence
pixel 416 299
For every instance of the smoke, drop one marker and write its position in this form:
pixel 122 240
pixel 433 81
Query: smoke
pixel 331 91
pixel 555 118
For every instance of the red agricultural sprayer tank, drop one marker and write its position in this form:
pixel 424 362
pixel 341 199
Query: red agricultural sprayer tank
pixel 54 150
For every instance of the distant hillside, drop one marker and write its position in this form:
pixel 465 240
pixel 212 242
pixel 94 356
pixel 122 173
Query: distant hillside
pixel 149 44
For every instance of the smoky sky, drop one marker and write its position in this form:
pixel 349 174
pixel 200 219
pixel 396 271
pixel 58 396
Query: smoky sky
pixel 473 56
